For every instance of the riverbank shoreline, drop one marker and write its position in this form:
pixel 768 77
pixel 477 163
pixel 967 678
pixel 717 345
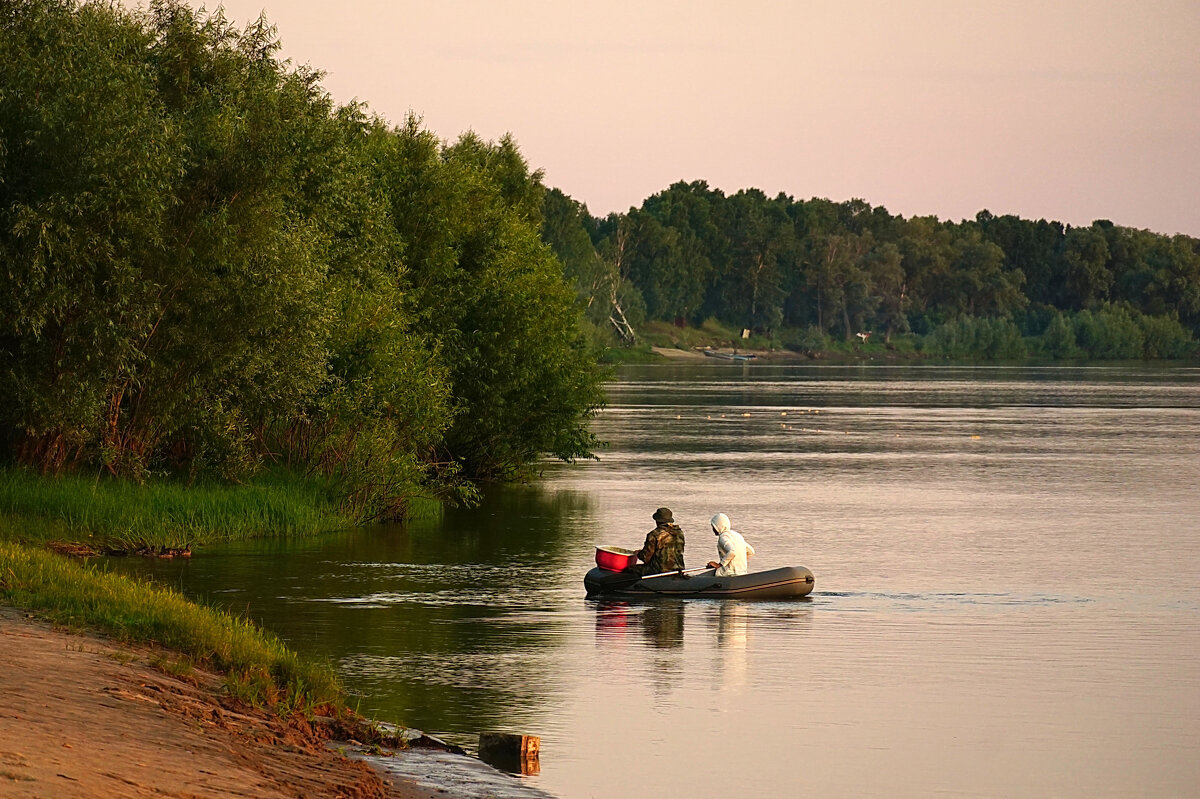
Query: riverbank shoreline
pixel 656 354
pixel 783 357
pixel 83 716
pixel 113 687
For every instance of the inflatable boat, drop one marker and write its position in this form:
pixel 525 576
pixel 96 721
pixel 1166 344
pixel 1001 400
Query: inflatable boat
pixel 787 582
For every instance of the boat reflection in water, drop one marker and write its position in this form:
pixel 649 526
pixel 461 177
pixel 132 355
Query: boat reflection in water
pixel 662 625
pixel 658 626
pixel 660 622
pixel 733 633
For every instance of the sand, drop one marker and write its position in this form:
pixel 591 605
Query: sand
pixel 81 716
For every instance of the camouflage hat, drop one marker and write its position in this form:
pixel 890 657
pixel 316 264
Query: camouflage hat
pixel 663 515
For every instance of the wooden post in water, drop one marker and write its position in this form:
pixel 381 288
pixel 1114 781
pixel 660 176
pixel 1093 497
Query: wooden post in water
pixel 514 753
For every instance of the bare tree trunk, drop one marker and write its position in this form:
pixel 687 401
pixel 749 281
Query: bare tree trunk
pixel 757 272
pixel 616 277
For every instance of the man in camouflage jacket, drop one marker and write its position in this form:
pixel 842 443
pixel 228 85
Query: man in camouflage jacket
pixel 663 550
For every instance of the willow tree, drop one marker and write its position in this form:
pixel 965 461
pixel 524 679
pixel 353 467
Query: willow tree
pixel 241 283
pixel 491 296
pixel 90 159
pixel 208 265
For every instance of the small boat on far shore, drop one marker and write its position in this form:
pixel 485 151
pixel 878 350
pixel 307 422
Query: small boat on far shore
pixel 729 356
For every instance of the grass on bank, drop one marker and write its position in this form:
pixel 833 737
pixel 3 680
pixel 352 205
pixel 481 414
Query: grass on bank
pixel 639 353
pixel 799 342
pixel 1110 333
pixel 259 669
pixel 80 514
pixel 118 515
pixel 711 333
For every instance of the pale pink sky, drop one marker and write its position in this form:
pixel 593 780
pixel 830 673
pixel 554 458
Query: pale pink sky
pixel 1064 109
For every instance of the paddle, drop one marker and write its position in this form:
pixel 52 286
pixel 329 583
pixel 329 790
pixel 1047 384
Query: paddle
pixel 676 571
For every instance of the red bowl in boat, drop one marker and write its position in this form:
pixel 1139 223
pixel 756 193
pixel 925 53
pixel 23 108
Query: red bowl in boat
pixel 615 559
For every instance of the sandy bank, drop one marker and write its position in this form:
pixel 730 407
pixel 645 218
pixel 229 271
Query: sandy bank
pixel 678 354
pixel 83 717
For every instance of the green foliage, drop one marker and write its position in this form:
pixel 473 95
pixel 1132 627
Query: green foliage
pixel 665 265
pixel 1165 337
pixel 1059 339
pixel 760 243
pixel 673 250
pixel 776 264
pixel 1113 332
pixel 712 332
pixel 975 338
pixel 842 284
pixel 209 267
pixel 1087 277
pixel 563 230
pixel 89 162
pixel 1110 333
pixel 613 310
pixel 807 340
pixel 169 268
pixel 110 514
pixel 1033 248
pixel 522 376
pixel 639 353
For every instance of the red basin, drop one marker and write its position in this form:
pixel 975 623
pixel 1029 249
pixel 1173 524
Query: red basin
pixel 615 559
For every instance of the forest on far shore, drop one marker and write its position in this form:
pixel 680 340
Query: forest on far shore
pixel 811 274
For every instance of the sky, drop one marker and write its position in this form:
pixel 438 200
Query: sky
pixel 1055 109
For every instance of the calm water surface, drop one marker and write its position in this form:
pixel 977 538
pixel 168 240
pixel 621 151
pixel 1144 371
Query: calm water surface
pixel 1007 597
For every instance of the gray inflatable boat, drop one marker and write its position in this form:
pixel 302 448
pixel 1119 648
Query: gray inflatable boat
pixel 788 582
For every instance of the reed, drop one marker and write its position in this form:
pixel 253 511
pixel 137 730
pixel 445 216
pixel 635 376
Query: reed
pixel 117 515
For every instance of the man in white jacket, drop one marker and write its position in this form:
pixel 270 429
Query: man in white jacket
pixel 732 549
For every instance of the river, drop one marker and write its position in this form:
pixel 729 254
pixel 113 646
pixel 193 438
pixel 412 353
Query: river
pixel 1007 593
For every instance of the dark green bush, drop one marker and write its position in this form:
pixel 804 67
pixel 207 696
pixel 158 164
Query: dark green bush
pixel 1110 333
pixel 974 338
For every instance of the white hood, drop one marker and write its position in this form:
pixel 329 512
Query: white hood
pixel 720 523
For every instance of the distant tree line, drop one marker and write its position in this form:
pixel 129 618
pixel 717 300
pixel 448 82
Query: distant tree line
pixel 208 267
pixel 807 271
